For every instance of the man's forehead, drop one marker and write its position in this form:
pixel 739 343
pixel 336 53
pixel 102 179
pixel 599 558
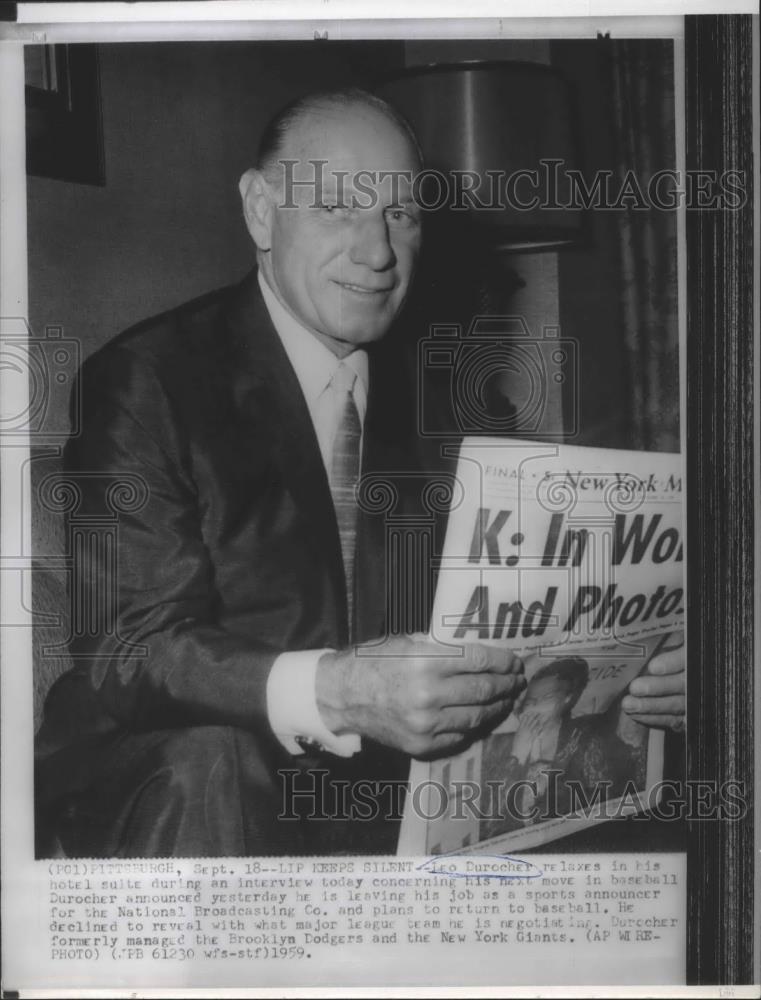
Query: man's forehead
pixel 394 184
pixel 351 139
pixel 312 183
pixel 548 682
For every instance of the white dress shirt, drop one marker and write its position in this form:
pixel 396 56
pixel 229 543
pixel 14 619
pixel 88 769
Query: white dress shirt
pixel 291 698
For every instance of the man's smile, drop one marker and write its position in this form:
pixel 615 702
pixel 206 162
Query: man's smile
pixel 364 289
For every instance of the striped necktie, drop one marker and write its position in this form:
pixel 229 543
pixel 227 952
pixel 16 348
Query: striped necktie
pixel 344 471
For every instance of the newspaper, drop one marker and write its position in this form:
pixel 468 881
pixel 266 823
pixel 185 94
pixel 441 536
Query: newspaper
pixel 572 558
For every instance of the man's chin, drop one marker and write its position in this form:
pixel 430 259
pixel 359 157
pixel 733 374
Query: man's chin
pixel 365 330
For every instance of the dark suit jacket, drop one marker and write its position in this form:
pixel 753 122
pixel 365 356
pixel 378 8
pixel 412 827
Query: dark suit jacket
pixel 231 554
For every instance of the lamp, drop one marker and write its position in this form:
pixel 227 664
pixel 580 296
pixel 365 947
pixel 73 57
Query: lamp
pixel 512 125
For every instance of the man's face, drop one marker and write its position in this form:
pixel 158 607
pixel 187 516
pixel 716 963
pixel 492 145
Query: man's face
pixel 341 260
pixel 547 696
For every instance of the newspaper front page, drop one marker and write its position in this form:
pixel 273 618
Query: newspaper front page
pixel 573 558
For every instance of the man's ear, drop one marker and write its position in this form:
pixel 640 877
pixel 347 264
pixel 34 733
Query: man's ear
pixel 258 207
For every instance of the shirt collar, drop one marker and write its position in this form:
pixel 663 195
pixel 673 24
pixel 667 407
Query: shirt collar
pixel 313 362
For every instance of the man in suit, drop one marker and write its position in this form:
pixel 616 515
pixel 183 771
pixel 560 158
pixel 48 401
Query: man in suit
pixel 233 597
pixel 231 635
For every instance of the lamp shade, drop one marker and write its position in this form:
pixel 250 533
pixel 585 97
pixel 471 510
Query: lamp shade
pixel 512 125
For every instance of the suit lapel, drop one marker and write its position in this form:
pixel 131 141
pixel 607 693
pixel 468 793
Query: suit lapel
pixel 268 394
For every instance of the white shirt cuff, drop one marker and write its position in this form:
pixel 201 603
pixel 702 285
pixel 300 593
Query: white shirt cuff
pixel 292 706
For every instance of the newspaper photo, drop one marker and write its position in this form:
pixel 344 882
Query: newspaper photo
pixel 573 558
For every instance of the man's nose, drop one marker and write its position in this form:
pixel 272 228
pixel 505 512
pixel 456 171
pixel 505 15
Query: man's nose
pixel 370 244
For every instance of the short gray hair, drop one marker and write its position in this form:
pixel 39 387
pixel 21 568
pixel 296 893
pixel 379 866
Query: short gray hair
pixel 274 136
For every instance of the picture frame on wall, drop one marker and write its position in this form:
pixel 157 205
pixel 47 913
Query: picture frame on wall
pixel 64 126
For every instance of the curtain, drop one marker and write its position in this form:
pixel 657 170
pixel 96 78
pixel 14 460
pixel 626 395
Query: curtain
pixel 641 108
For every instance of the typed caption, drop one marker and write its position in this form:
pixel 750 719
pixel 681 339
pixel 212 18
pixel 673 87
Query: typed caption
pixel 211 914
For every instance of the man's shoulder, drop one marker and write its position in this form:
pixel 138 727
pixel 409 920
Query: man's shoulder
pixel 192 331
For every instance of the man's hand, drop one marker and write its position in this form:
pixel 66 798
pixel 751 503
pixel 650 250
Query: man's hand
pixel 415 695
pixel 657 697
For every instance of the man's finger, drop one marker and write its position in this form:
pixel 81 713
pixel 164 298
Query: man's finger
pixel 670 662
pixel 446 659
pixel 434 746
pixel 673 722
pixel 466 718
pixel 671 705
pixel 480 689
pixel 648 687
pixel 479 658
pixel 443 743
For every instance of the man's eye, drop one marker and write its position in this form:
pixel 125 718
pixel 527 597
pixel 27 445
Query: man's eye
pixel 333 209
pixel 400 217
